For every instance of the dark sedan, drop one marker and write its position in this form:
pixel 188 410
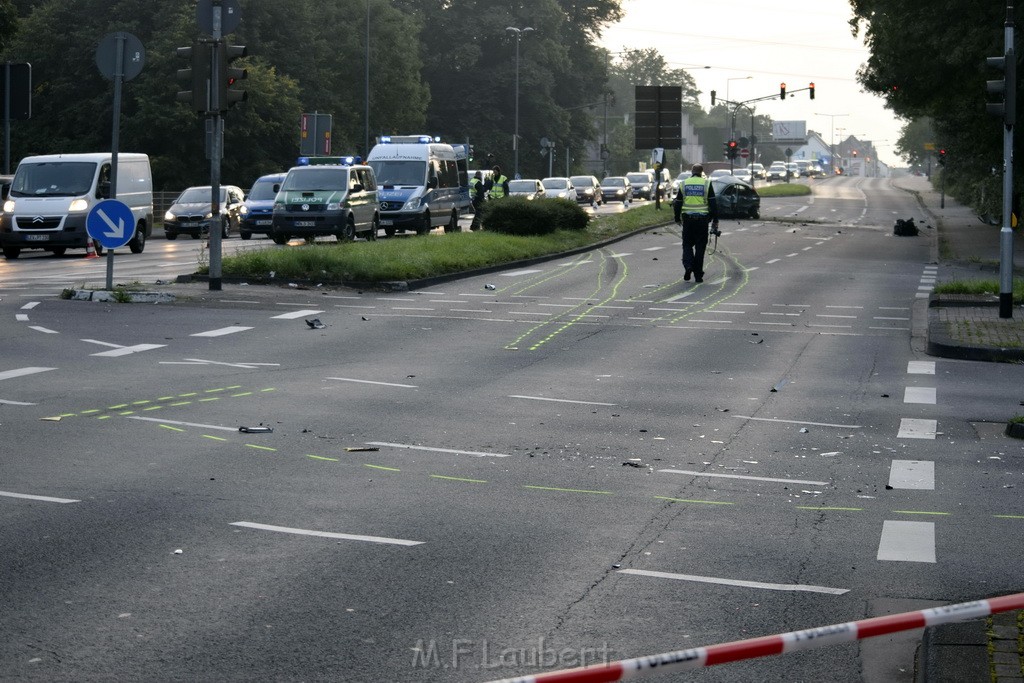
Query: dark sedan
pixel 736 198
pixel 616 189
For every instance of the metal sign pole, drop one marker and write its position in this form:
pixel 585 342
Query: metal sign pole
pixel 115 139
pixel 7 118
pixel 215 153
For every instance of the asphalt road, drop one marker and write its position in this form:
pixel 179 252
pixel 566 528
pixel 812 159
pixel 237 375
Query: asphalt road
pixel 594 459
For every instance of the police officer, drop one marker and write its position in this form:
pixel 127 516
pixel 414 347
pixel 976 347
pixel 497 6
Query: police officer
pixel 497 184
pixel 476 194
pixel 695 206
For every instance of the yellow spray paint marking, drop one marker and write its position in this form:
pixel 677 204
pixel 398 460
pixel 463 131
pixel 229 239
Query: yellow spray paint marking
pixel 191 393
pixel 127 412
pixel 547 277
pixel 702 502
pixel 141 403
pixel 214 438
pixel 118 406
pixel 320 457
pixel 213 391
pixel 173 429
pixel 151 408
pixel 103 417
pixel 552 488
pixel 920 512
pixel 90 411
pixel 471 481
pixel 381 467
pixel 180 403
pixel 165 398
pixel 744 281
pixel 262 448
pixel 268 389
pixel 822 509
pixel 244 393
pixel 1008 516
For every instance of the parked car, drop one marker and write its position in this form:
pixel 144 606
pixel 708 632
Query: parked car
pixel 758 171
pixel 743 174
pixel 191 212
pixel 529 188
pixel 642 184
pixel 736 198
pixel 777 171
pixel 258 212
pixel 616 188
pixel 559 188
pixel 588 189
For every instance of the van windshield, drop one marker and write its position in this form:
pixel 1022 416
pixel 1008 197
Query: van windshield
pixel 314 179
pixel 394 172
pixel 262 190
pixel 54 179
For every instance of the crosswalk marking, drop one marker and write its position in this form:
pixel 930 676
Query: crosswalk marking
pixel 907 542
pixel 919 395
pixel 913 428
pixel 912 474
pixel 221 331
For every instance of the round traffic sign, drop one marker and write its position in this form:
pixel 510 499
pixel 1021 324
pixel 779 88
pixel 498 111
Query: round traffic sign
pixel 133 55
pixel 744 152
pixel 111 223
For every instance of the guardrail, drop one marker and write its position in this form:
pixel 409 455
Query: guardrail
pixel 783 643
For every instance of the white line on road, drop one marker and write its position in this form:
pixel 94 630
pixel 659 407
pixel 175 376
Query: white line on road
pixel 912 474
pixel 221 332
pixel 21 372
pixel 774 260
pixel 913 428
pixel 126 350
pixel 798 422
pixel 183 424
pixel 413 447
pixel 907 542
pixel 327 534
pixel 677 297
pixel 30 305
pixel 517 273
pixel 921 367
pixel 919 395
pixel 736 582
pixel 742 476
pixel 16 403
pixel 292 315
pixel 562 400
pixel 45 330
pixel 21 317
pixel 366 381
pixel 45 499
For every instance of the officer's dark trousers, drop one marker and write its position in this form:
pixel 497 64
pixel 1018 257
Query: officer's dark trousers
pixel 695 242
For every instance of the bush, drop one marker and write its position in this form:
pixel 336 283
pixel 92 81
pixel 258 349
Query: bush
pixel 520 216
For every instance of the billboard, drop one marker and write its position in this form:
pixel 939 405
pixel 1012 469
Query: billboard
pixel 789 131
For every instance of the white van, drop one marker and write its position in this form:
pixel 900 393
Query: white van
pixel 52 194
pixel 421 183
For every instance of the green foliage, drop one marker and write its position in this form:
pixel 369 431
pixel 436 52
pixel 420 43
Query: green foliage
pixel 784 190
pixel 981 287
pixel 520 216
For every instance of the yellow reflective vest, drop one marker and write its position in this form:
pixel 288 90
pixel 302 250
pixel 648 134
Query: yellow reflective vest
pixel 498 188
pixel 695 195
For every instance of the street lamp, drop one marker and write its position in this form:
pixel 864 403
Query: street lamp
pixel 732 133
pixel 518 33
pixel 832 140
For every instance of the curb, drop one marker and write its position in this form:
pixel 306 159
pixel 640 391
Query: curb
pixel 104 295
pixel 941 344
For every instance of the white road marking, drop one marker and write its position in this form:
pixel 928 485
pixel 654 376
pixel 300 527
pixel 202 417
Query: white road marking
pixel 854 307
pixel 912 474
pixel 625 253
pixel 736 582
pixel 45 499
pixel 720 321
pixel 292 315
pixel 913 428
pixel 410 308
pixel 45 330
pixel 366 381
pixel 774 260
pixel 677 297
pixel 413 447
pixel 907 542
pixel 919 395
pixel 517 273
pixel 16 403
pixel 795 253
pixel 200 361
pixel 748 478
pixel 30 305
pixel 126 350
pixel 653 248
pixel 327 534
pixel 21 317
pixel 921 367
pixel 560 400
pixel 834 315
pixel 882 317
pixel 21 372
pixel 798 422
pixel 221 331
pixel 352 306
pixel 845 327
pixel 183 424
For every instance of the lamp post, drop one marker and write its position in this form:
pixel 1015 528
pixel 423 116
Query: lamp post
pixel 518 33
pixel 732 133
pixel 832 140
pixel 366 118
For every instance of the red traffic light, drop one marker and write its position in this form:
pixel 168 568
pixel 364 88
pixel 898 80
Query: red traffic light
pixel 811 88
pixel 782 91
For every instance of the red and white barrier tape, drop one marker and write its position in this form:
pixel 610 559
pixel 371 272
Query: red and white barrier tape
pixel 795 641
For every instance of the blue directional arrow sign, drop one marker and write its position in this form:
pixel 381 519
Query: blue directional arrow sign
pixel 111 223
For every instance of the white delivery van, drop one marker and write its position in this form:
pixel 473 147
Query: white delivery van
pixel 421 183
pixel 52 194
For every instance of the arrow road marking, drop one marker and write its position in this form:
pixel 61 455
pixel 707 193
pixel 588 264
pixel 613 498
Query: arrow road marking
pixel 117 230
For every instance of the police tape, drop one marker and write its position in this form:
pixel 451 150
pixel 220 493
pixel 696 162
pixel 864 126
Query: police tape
pixel 784 643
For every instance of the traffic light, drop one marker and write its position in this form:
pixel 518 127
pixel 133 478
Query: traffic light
pixel 471 152
pixel 230 75
pixel 942 157
pixel 782 91
pixel 854 154
pixel 197 76
pixel 725 150
pixel 712 98
pixel 1006 87
pixel 734 149
pixel 811 88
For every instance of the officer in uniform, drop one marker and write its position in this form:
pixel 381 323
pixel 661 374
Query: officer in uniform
pixel 476 194
pixel 695 207
pixel 497 184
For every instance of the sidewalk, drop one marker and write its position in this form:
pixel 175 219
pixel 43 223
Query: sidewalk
pixel 968 327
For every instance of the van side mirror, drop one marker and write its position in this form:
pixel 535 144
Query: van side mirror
pixel 277 187
pixel 103 189
pixel 432 183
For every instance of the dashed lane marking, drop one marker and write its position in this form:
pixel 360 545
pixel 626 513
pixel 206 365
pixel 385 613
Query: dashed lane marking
pixel 797 587
pixel 220 332
pixel 921 367
pixel 366 381
pixel 327 534
pixel 45 499
pixel 907 542
pixel 560 400
pixel 798 422
pixel 292 315
pixel 183 424
pixel 44 330
pixel 924 395
pixel 414 447
pixel 912 474
pixel 22 372
pixel 694 473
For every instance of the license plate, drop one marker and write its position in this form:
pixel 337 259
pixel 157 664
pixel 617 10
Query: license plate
pixel 189 224
pixel 387 221
pixel 267 222
pixel 37 238
pixel 305 224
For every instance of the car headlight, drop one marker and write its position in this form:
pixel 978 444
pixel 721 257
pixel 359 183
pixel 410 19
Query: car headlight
pixel 78 205
pixel 209 215
pixel 278 206
pixel 413 204
pixel 167 216
pixel 334 206
pixel 243 209
pixel 9 206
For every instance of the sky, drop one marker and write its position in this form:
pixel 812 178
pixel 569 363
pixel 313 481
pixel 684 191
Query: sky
pixel 795 42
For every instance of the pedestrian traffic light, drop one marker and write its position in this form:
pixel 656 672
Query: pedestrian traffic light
pixel 1005 87
pixel 811 88
pixel 782 91
pixel 942 157
pixel 230 75
pixel 733 149
pixel 197 76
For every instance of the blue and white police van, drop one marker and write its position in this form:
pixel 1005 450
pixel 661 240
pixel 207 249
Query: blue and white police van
pixel 422 183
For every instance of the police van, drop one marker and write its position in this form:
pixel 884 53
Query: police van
pixel 326 196
pixel 424 183
pixel 52 194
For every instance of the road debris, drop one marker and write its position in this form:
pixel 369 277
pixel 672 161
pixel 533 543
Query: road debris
pixel 315 324
pixel 261 429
